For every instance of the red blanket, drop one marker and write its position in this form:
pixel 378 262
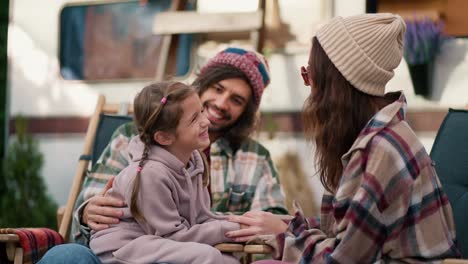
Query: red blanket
pixel 34 241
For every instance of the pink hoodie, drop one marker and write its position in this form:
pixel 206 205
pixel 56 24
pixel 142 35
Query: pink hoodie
pixel 174 203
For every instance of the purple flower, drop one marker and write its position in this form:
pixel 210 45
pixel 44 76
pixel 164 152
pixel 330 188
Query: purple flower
pixel 423 39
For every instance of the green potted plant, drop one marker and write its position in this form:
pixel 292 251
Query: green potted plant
pixel 24 201
pixel 423 40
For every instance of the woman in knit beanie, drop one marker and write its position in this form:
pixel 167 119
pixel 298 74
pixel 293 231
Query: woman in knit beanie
pixel 383 200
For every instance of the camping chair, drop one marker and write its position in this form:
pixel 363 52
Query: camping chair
pixel 13 245
pixel 101 126
pixel 450 154
pixel 104 121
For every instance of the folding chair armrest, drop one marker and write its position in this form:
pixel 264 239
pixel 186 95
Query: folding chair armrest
pixel 257 249
pixel 28 244
pixel 230 247
pixel 14 252
pixel 60 213
pixel 455 261
pixel 64 227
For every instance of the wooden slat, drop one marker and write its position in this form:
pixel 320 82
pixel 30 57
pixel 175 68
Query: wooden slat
pixel 82 167
pixel 397 6
pixel 60 213
pixel 114 109
pixel 193 22
pixel 455 261
pixel 9 238
pixel 11 242
pixel 257 249
pixel 165 47
pixel 18 256
pixel 163 56
pixel 230 247
pixel 420 14
pixel 260 40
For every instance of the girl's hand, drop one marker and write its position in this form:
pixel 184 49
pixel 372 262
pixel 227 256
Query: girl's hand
pixel 256 223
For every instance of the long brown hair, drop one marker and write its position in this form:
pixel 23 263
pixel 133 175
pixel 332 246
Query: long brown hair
pixel 333 115
pixel 245 124
pixel 150 116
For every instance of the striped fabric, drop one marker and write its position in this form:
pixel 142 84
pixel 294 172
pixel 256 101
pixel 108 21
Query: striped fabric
pixel 389 205
pixel 34 241
pixel 240 181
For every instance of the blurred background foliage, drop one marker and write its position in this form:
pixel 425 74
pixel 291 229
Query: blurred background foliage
pixel 4 7
pixel 24 201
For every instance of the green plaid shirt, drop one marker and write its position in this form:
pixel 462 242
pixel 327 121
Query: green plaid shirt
pixel 240 181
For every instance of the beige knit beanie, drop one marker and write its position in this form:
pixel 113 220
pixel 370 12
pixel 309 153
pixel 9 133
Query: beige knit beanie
pixel 365 48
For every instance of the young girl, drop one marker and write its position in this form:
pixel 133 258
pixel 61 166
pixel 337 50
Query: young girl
pixel 383 202
pixel 167 218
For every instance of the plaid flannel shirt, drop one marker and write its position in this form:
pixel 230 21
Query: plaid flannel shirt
pixel 389 205
pixel 241 181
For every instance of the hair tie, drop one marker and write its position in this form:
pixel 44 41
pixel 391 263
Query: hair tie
pixel 139 169
pixel 164 100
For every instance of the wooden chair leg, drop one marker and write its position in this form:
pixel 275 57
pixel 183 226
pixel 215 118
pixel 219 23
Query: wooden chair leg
pixel 249 258
pixel 60 213
pixel 14 253
pixel 18 256
pixel 243 259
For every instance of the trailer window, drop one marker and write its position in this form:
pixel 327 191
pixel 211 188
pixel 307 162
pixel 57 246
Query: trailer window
pixel 115 41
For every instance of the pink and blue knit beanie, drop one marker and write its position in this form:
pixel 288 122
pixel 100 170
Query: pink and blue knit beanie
pixel 252 64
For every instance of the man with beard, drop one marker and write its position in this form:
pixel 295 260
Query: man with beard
pixel 243 176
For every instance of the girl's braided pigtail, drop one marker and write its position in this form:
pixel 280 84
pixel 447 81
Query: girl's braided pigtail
pixel 134 209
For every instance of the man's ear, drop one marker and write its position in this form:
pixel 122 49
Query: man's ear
pixel 163 138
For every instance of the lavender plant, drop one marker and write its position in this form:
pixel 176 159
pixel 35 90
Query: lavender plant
pixel 423 39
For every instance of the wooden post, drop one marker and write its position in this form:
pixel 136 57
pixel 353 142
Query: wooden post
pixel 64 229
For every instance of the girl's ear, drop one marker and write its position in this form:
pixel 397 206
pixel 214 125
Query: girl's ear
pixel 163 138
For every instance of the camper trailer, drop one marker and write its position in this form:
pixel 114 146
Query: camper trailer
pixel 63 54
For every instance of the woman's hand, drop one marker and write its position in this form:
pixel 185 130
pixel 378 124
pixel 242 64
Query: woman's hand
pixel 256 223
pixel 101 211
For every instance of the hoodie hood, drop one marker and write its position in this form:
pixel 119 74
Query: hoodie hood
pixel 159 154
pixel 189 176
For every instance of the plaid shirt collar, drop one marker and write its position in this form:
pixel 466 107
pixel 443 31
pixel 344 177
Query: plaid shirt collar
pixel 392 113
pixel 221 146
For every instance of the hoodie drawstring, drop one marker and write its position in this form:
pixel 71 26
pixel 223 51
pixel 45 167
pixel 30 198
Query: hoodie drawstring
pixel 192 200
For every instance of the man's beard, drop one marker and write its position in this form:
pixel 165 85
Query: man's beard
pixel 219 129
